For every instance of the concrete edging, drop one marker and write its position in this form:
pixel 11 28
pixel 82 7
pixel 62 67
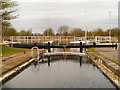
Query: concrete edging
pixel 15 70
pixel 112 76
pixel 64 53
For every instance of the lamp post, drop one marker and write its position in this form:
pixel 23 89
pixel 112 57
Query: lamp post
pixel 86 33
pixel 110 25
pixel 48 27
pixel 85 24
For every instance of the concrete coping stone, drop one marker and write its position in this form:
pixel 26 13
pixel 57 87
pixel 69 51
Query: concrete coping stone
pixel 65 53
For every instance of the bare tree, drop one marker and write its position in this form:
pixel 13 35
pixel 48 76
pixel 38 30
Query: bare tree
pixel 77 32
pixel 48 32
pixel 63 30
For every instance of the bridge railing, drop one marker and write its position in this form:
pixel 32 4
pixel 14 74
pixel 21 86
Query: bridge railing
pixel 38 39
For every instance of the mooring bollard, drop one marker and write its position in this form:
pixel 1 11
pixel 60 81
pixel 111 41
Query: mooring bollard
pixel 24 52
pixel 81 47
pixel 49 47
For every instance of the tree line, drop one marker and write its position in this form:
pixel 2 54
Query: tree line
pixel 78 32
pixel 63 31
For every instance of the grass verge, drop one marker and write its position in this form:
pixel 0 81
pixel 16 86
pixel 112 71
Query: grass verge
pixel 93 50
pixel 8 51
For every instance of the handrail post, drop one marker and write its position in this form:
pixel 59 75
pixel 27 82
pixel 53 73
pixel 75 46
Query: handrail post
pixel 81 49
pixel 37 52
pixel 49 47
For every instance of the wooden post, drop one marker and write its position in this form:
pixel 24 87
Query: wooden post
pixel 81 49
pixel 49 47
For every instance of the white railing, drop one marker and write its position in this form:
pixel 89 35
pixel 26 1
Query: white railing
pixel 31 39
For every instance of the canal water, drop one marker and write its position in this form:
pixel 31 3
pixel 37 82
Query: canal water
pixel 61 72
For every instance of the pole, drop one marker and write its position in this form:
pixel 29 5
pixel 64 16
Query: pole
pixel 49 47
pixel 80 60
pixel 86 33
pixel 81 47
pixel 48 27
pixel 12 41
pixel 27 39
pixel 110 25
pixel 85 25
pixel 48 60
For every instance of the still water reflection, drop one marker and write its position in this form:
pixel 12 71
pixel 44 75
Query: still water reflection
pixel 61 72
pixel 65 50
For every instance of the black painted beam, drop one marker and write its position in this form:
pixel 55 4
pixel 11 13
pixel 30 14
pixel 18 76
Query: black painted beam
pixel 48 46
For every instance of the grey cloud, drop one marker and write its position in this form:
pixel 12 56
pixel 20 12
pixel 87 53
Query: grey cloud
pixel 93 14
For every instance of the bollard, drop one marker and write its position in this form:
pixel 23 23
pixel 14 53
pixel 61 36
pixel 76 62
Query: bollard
pixel 48 46
pixel 81 49
pixel 24 52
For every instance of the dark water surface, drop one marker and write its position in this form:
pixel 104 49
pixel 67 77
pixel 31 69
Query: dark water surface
pixel 61 72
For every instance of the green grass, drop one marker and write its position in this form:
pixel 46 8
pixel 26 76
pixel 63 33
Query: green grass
pixel 93 50
pixel 94 56
pixel 8 51
pixel 11 63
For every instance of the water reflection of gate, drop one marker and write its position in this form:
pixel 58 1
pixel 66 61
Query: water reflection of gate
pixel 55 58
pixel 35 67
pixel 64 57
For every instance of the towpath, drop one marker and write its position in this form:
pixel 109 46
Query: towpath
pixel 7 64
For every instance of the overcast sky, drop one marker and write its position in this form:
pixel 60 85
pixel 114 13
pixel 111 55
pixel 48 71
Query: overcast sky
pixel 74 13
